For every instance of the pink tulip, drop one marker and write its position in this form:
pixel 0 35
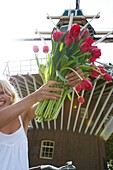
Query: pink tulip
pixel 45 49
pixel 35 49
pixel 57 35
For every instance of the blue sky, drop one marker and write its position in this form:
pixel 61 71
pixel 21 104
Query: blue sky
pixel 20 18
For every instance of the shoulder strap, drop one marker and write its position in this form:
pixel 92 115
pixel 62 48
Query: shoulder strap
pixel 20 118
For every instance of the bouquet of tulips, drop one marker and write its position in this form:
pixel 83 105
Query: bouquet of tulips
pixel 69 49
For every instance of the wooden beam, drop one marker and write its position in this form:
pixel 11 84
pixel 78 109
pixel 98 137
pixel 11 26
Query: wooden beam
pixel 96 32
pixel 74 17
pixel 43 32
pixel 64 20
pixel 107 40
pixel 102 33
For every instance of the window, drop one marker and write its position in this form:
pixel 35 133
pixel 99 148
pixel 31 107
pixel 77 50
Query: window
pixel 83 111
pixel 47 149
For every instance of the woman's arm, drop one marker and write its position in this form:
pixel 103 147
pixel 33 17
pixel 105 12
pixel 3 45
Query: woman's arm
pixel 13 111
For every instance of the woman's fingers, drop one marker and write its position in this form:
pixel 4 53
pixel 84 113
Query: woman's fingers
pixel 49 86
pixel 74 82
pixel 80 72
pixel 55 89
pixel 52 82
pixel 50 95
pixel 73 78
pixel 49 91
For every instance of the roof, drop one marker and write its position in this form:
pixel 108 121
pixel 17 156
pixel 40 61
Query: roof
pixel 94 117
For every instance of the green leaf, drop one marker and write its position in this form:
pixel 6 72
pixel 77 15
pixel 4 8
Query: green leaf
pixel 86 73
pixel 74 48
pixel 60 76
pixel 56 56
pixel 41 72
pixel 71 63
pixel 69 96
pixel 49 66
pixel 61 46
pixel 85 67
pixel 64 60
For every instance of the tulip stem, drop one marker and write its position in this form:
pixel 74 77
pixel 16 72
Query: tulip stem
pixel 73 71
pixel 76 93
pixel 99 72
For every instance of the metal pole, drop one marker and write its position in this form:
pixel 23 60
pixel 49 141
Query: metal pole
pixel 77 4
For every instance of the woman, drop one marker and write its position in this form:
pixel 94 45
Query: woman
pixel 15 117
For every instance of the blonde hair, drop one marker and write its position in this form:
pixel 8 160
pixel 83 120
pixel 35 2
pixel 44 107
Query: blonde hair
pixel 9 89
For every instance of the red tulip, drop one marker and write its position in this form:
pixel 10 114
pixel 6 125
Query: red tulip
pixel 92 47
pixel 84 33
pixel 75 30
pixel 94 72
pixel 101 68
pixel 68 39
pixel 86 84
pixel 107 77
pixel 85 47
pixel 92 59
pixel 89 40
pixel 96 52
pixel 81 100
pixel 78 88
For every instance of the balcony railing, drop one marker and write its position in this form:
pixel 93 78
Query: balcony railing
pixel 21 67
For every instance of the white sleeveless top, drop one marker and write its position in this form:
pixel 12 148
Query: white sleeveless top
pixel 14 150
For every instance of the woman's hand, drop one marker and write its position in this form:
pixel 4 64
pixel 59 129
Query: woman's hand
pixel 48 91
pixel 73 78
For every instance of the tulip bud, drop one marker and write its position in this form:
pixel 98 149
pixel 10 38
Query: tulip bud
pixel 81 100
pixel 46 49
pixel 35 49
